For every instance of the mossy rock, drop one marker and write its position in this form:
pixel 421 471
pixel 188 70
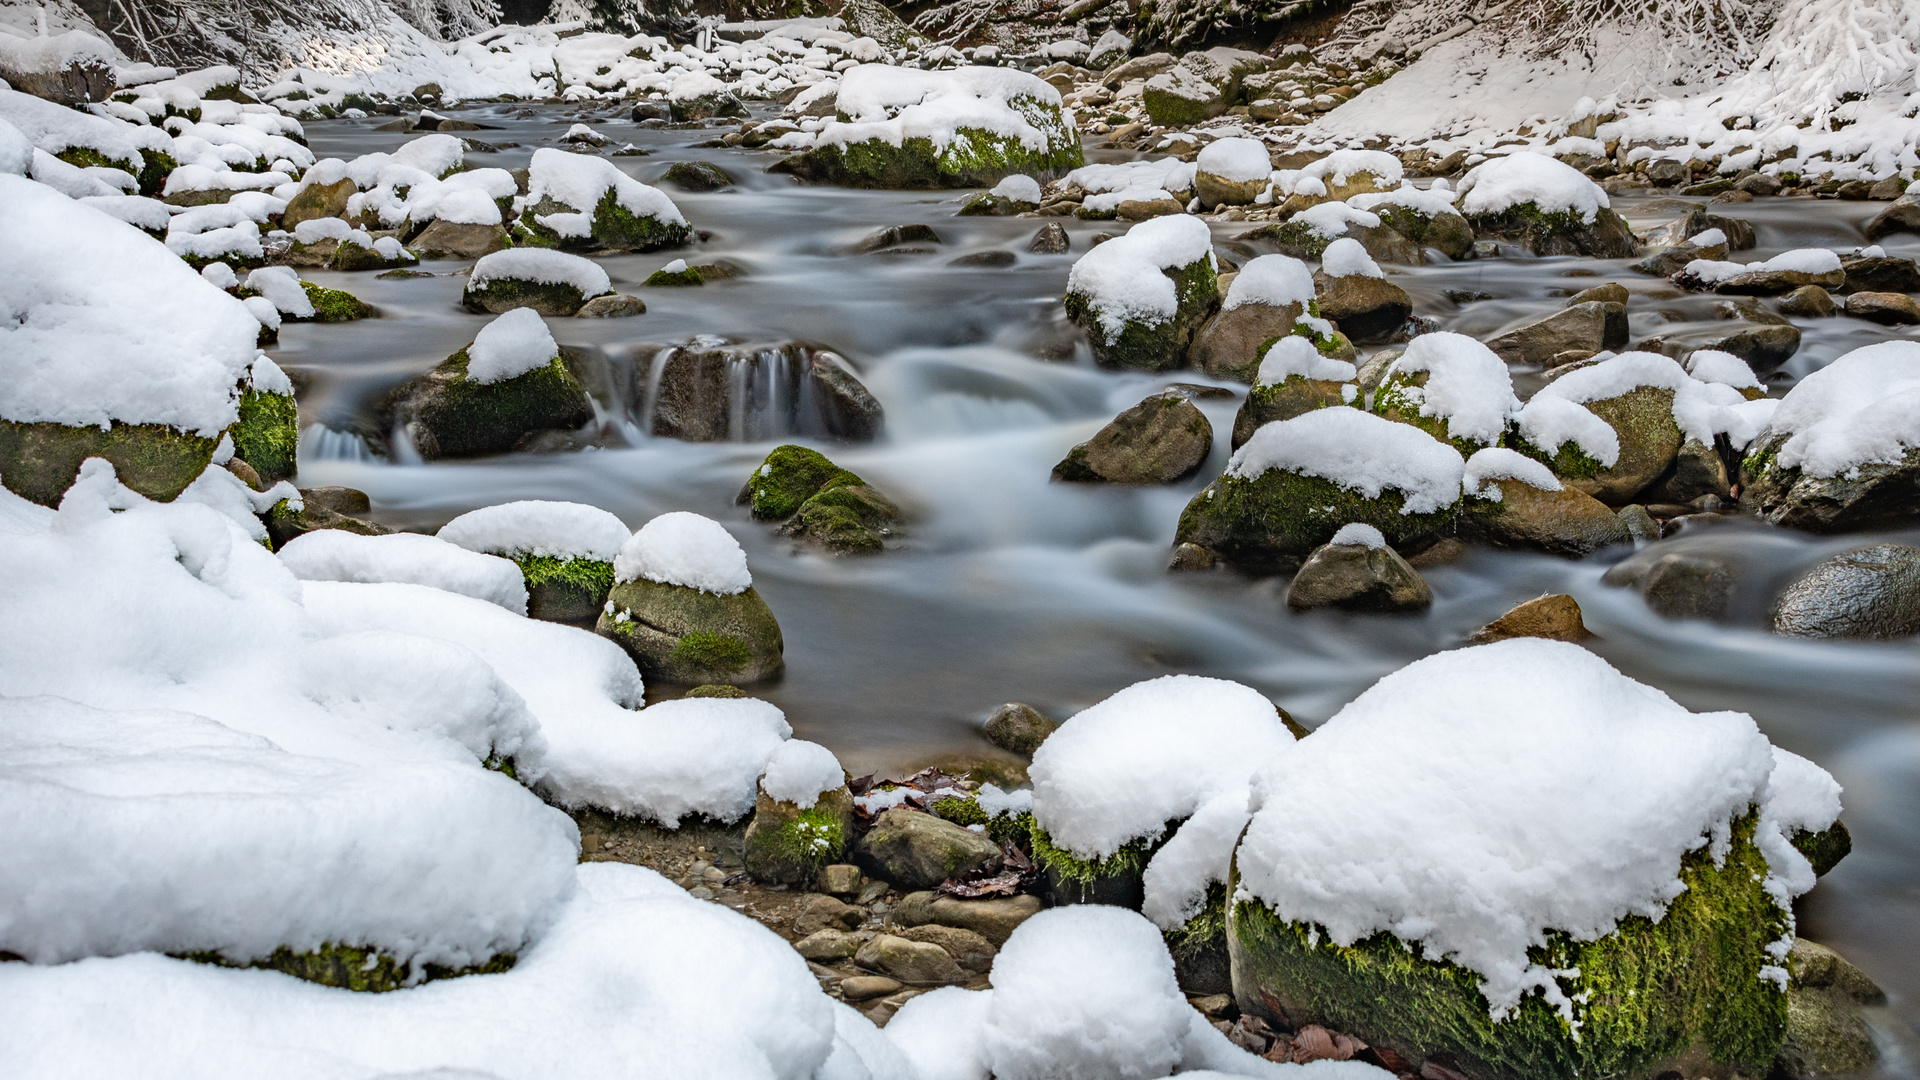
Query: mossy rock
pixel 565 590
pixel 682 635
pixel 1118 879
pixel 1567 522
pixel 1392 401
pixel 1682 995
pixel 1296 395
pixel 1642 418
pixel 1201 961
pixel 697 176
pixel 39 461
pixel 86 157
pixel 285 523
pixel 336 305
pixel 818 501
pixel 1824 849
pixel 349 967
pixel 789 845
pixel 615 228
pixel 267 435
pixel 502 295
pixel 974 158
pixel 450 415
pixel 1272 522
pixel 1004 829
pixel 1448 233
pixel 788 478
pixel 1875 495
pixel 350 257
pixel 675 279
pixel 1160 346
pixel 1559 232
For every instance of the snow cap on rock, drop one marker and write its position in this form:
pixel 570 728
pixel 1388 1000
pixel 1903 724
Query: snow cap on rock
pixel 1122 280
pixel 511 345
pixel 682 548
pixel 537 527
pixel 337 555
pixel 800 771
pixel 1270 279
pixel 1235 159
pixel 1552 186
pixel 1295 355
pixel 1467 385
pixel 1347 257
pixel 1018 188
pixel 1358 451
pixel 543 266
pixel 1359 534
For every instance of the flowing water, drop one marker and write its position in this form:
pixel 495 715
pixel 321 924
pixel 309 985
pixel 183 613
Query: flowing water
pixel 1009 588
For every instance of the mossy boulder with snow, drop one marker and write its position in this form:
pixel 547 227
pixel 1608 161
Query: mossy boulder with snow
pixel 1142 296
pixel 1546 206
pixel 1613 428
pixel 511 382
pixel 1424 216
pixel 267 434
pixel 1837 454
pixel 802 818
pixel 1296 482
pixel 1479 916
pixel 818 501
pixel 970 127
pixel 113 348
pixel 1306 234
pixel 1514 501
pixel 564 550
pixel 683 606
pixel 1451 387
pixel 1271 297
pixel 1181 97
pixel 549 282
pixel 585 203
pixel 1295 378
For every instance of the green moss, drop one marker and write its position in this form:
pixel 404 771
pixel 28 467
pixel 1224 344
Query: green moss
pixel 38 461
pixel 683 635
pixel 974 158
pixel 500 296
pixel 965 810
pixel 715 690
pixel 1644 997
pixel 802 842
pixel 615 226
pixel 1295 238
pixel 564 590
pixel 789 477
pixel 1156 346
pixel 453 416
pixel 267 435
pixel 1272 522
pixel 86 157
pixel 960 811
pixel 336 305
pixel 712 652
pixel 662 279
pixel 1116 879
pixel 350 257
pixel 1568 463
pixel 1393 401
pixel 502 765
pixel 350 967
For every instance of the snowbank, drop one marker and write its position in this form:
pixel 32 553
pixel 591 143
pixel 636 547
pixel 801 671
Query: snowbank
pixel 513 344
pixel 553 530
pixel 335 555
pixel 1360 452
pixel 682 548
pixel 101 323
pixel 1121 279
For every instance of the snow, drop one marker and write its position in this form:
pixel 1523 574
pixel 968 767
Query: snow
pixel 1709 238
pixel 266 377
pixel 1550 422
pixel 681 548
pixel 511 345
pixel 1358 451
pixel 1121 280
pixel 1501 183
pixel 56 128
pixel 336 555
pixel 99 322
pixel 16 153
pixel 469 206
pixel 1799 260
pixel 800 772
pixel 1467 385
pixel 68 180
pixel 1343 165
pixel 536 527
pixel 51 54
pixel 895 104
pixel 1294 355
pixel 143 213
pixel 1347 257
pixel 1361 534
pixel 1714 366
pixel 435 154
pixel 1127 180
pixel 621 983
pixel 220 276
pixel 943 1033
pixel 1331 220
pixel 280 285
pixel 262 309
pixel 1500 463
pixel 1430 202
pixel 1278 280
pixel 581 181
pixel 1862 409
pixel 314 230
pixel 1539 789
pixel 1236 160
pixel 1018 188
pixel 543 266
pixel 1698 408
pixel 1801 796
pixel 1150 754
pixel 1201 853
pixel 997 803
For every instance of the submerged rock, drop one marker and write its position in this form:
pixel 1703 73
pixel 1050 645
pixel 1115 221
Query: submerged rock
pixel 1870 593
pixel 1679 584
pixel 1161 440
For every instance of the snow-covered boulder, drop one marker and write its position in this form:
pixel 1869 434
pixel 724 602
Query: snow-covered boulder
pixel 1017 194
pixel 110 347
pixel 1295 377
pixel 1231 172
pixel 549 282
pixel 803 818
pixel 72 69
pixel 1296 482
pixel 1272 296
pixel 697 95
pixel 1141 296
pixel 1306 234
pixel 1355 293
pixel 1452 387
pixel 1344 174
pixel 565 552
pixel 683 605
pixel 1613 428
pixel 1425 216
pixel 1514 501
pixel 1545 205
pixel 581 202
pixel 1577 877
pixel 82 139
pixel 1842 449
pixel 1783 273
pixel 969 127
pixel 267 434
pixel 512 381
pixel 1180 96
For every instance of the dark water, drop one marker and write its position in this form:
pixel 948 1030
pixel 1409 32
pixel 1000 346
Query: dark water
pixel 1009 588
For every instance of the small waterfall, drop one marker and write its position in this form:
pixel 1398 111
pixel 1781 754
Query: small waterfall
pixel 318 442
pixel 710 391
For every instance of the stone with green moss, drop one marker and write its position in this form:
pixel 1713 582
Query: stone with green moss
pixel 1296 395
pixel 1199 947
pixel 1301 240
pixel 614 228
pixel 1153 345
pixel 974 157
pixel 284 523
pixel 565 590
pixel 788 478
pixel 447 414
pixel 1118 879
pixel 1874 495
pixel 349 967
pixel 1824 849
pixel 684 277
pixel 678 634
pixel 1447 233
pixel 502 295
pixel 788 844
pixel 350 257
pixel 715 690
pixel 38 461
pixel 267 435
pixel 1271 523
pixel 1681 995
pixel 1567 522
pixel 335 305
pixel 1392 400
pixel 1004 828
pixel 316 201
pixel 818 501
pixel 1231 344
pixel 1642 419
pixel 1827 1033
pixel 1558 232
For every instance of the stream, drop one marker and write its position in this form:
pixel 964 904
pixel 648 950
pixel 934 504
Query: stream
pixel 1009 588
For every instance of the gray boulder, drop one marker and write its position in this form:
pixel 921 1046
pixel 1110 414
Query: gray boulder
pixel 784 389
pixel 1357 577
pixel 1903 216
pixel 1163 439
pixel 1871 496
pixel 1018 728
pixel 1589 326
pixel 686 636
pixel 915 850
pixel 1826 1033
pixel 1881 273
pixel 1679 584
pixel 1870 593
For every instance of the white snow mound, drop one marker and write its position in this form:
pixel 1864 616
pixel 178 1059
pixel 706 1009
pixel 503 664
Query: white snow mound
pixel 1358 451
pixel 537 527
pixel 682 548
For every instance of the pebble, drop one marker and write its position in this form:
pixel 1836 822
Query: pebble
pixel 863 987
pixel 700 892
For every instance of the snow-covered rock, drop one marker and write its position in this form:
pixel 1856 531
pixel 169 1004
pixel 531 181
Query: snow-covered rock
pixel 549 282
pixel 584 202
pixel 1141 296
pixel 683 604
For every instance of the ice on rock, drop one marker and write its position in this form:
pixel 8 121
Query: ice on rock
pixel 1543 791
pixel 1236 159
pixel 543 529
pixel 1499 463
pixel 1468 385
pixel 1122 280
pixel 1359 451
pixel 800 771
pixel 1018 188
pixel 1552 186
pixel 581 181
pixel 1294 355
pixel 1347 257
pixel 1270 279
pixel 99 322
pixel 336 555
pixel 1360 533
pixel 682 548
pixel 280 286
pixel 1862 409
pixel 543 266
pixel 1150 754
pixel 511 345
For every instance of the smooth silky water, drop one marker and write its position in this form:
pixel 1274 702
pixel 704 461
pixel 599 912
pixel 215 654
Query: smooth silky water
pixel 1009 588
